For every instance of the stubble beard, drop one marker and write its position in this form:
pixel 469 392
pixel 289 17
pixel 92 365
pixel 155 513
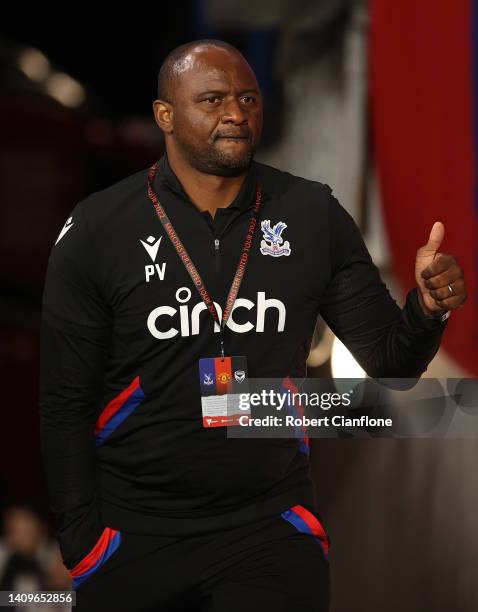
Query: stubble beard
pixel 211 160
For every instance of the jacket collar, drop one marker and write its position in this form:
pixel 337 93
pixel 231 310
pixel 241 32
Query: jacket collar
pixel 166 178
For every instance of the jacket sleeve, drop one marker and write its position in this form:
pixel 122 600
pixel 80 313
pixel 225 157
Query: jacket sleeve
pixel 387 341
pixel 76 326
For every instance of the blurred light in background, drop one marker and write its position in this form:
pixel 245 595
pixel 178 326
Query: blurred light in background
pixel 343 364
pixel 60 86
pixel 34 64
pixel 65 90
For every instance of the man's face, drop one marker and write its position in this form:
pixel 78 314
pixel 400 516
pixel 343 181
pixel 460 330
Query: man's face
pixel 217 112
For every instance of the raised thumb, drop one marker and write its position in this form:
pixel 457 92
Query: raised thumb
pixel 435 238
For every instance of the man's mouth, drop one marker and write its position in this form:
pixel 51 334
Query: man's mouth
pixel 233 137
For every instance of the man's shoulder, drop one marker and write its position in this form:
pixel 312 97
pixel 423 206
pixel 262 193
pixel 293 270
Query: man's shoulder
pixel 113 199
pixel 281 183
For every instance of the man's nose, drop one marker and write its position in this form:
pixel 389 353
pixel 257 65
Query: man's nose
pixel 234 112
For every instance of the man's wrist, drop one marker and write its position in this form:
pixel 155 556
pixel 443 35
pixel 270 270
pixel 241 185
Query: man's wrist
pixel 438 315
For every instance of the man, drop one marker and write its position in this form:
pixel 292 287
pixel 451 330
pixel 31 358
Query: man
pixel 206 261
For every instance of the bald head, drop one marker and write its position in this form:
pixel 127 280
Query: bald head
pixel 180 59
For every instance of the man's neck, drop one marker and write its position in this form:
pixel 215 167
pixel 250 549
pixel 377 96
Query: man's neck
pixel 206 191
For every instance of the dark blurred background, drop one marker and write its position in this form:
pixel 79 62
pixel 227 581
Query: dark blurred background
pixel 374 98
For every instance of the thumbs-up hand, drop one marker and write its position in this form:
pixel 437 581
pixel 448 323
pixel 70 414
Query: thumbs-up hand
pixel 440 279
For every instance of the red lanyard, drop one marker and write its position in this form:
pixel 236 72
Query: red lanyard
pixel 191 268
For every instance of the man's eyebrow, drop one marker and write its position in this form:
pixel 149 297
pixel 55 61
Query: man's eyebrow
pixel 223 91
pixel 211 91
pixel 249 90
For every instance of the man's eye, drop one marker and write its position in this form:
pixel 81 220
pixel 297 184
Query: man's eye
pixel 248 99
pixel 212 99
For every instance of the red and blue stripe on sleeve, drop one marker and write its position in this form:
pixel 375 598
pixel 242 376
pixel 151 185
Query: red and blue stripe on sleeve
pixel 295 409
pixel 117 410
pixel 305 522
pixel 106 545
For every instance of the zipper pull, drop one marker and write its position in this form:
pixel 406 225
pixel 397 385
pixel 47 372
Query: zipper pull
pixel 216 244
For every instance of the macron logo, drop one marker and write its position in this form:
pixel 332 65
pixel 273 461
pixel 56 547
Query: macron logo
pixel 151 245
pixel 69 223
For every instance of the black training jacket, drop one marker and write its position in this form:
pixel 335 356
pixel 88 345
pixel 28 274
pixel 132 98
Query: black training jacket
pixel 123 329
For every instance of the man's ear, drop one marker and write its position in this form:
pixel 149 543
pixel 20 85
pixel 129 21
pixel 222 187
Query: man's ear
pixel 163 113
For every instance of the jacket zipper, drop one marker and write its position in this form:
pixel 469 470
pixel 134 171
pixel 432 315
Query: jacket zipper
pixel 217 254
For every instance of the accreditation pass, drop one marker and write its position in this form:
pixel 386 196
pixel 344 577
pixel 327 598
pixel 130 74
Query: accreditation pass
pixel 222 380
